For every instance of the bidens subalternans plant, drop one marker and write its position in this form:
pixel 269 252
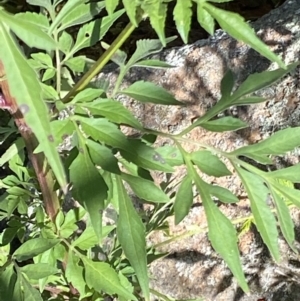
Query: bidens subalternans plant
pixel 38 63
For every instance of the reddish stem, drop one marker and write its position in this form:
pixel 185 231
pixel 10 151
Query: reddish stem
pixel 39 163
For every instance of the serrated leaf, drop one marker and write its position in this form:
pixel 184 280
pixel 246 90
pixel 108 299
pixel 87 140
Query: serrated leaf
pixel 184 199
pixel 130 7
pixel 263 216
pixel 131 235
pixel 87 95
pixel 149 92
pixel 102 130
pixel 38 270
pixel 65 42
pixel 88 238
pixel 153 64
pixel 110 282
pixel 44 58
pixel 145 189
pixel 253 83
pixel 291 173
pixel 257 81
pixel 126 284
pixel 103 156
pixel 113 111
pixel 157 11
pixel 49 73
pixel 145 156
pixel 32 17
pixel 89 34
pixel 290 194
pixel 246 226
pixel 146 47
pixel 224 124
pixel 111 5
pixel 221 232
pixel 72 217
pixel 182 16
pixel 62 129
pixel 74 273
pixel 285 220
pixel 205 19
pixel 48 92
pixel 224 195
pixel 42 3
pixel 210 164
pixel 81 13
pixel 64 11
pixel 28 94
pixel 279 143
pixel 235 25
pixel 28 32
pixel 89 188
pixel 77 63
pixel 34 247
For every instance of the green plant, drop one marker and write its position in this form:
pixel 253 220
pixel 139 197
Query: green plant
pixel 55 260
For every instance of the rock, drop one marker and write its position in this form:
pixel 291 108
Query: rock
pixel 193 269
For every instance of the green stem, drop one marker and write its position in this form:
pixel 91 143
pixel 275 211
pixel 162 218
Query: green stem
pixel 102 61
pixel 58 65
pixel 122 73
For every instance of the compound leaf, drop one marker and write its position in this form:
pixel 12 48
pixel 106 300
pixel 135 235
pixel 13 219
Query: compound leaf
pixel 182 17
pixel 221 232
pixel 235 25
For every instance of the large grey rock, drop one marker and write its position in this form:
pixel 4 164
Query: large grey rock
pixel 193 269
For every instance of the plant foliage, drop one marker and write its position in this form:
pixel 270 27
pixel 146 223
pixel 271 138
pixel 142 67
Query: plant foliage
pixel 72 136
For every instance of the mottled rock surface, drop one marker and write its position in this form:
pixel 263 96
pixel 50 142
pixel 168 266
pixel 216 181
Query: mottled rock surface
pixel 193 269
